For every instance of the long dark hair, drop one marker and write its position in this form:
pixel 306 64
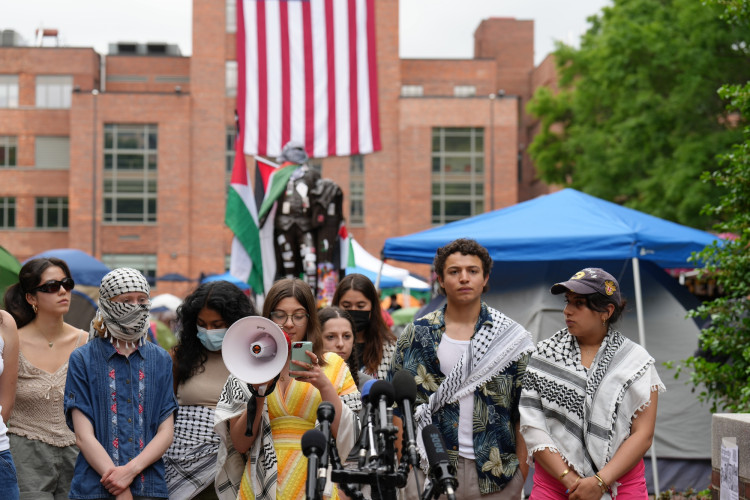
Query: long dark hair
pixel 377 332
pixel 336 312
pixel 300 291
pixel 28 278
pixel 221 296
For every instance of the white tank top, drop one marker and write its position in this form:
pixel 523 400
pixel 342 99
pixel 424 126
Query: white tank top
pixel 449 352
pixel 4 441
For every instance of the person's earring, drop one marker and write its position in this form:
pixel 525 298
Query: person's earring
pixel 35 308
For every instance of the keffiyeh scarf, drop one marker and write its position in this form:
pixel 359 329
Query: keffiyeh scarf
pixel 493 348
pixel 126 322
pixel 585 414
pixel 190 463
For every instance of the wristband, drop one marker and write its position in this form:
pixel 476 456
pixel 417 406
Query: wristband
pixel 604 486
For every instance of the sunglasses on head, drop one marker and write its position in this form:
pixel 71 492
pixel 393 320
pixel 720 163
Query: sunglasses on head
pixel 54 286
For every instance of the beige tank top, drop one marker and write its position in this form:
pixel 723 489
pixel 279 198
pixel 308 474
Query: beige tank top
pixel 38 412
pixel 204 388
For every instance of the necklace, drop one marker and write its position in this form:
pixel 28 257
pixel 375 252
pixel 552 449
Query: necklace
pixel 49 342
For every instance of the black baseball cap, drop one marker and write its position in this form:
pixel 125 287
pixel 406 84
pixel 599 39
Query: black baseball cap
pixel 590 280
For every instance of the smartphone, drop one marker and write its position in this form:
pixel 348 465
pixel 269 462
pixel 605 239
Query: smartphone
pixel 299 354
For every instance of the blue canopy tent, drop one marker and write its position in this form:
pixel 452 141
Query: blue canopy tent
pixel 385 281
pixel 563 227
pixel 85 269
pixel 227 276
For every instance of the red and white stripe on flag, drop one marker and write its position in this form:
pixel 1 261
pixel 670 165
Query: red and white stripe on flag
pixel 309 75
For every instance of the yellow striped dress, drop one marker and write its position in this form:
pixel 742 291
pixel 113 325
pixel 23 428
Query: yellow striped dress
pixel 292 414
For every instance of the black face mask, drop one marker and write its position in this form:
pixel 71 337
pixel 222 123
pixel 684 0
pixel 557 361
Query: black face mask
pixel 361 319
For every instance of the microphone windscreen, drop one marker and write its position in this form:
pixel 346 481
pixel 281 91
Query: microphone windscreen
pixel 434 446
pixel 312 441
pixel 382 388
pixel 366 388
pixel 404 386
pixel 326 411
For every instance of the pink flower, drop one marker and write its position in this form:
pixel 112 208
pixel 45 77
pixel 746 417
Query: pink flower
pixel 113 407
pixel 112 373
pixel 116 443
pixel 140 408
pixel 141 375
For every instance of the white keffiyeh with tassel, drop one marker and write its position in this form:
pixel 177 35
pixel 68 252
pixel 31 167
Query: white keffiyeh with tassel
pixel 585 414
pixel 119 321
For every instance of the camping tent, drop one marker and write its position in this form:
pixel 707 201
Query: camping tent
pixel 557 234
pixel 9 268
pixel 379 272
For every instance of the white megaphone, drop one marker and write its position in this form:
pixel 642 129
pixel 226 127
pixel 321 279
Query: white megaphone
pixel 255 349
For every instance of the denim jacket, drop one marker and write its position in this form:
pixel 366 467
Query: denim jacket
pixel 126 399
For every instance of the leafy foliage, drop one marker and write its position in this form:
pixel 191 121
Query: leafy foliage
pixel 724 368
pixel 637 117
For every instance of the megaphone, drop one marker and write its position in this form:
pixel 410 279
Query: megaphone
pixel 255 349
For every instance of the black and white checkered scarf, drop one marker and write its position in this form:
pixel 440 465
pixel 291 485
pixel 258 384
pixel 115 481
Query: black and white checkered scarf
pixel 126 322
pixel 493 348
pixel 584 414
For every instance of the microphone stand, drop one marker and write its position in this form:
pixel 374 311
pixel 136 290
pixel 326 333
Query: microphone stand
pixel 380 472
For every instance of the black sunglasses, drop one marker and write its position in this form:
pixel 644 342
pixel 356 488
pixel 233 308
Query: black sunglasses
pixel 54 286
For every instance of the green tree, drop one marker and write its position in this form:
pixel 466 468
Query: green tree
pixel 637 117
pixel 723 371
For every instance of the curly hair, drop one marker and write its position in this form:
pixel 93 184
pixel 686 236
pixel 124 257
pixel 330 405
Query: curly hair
pixel 297 289
pixel 330 313
pixel 463 246
pixel 29 278
pixel 377 332
pixel 220 296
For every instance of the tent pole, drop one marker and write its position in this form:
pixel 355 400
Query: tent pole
pixel 642 340
pixel 380 273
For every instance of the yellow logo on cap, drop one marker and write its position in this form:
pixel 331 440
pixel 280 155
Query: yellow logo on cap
pixel 609 287
pixel 579 275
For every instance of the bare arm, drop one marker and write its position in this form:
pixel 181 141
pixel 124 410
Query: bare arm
pixel 118 479
pixel 10 359
pixel 521 452
pixel 92 449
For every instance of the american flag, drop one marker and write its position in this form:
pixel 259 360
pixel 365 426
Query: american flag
pixel 308 72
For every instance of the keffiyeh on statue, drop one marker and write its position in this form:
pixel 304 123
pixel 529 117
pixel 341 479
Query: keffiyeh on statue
pixel 116 320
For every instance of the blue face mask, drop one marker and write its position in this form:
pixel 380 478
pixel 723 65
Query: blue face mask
pixel 211 339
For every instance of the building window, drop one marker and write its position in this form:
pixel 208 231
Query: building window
pixel 231 11
pixel 8 91
pixel 457 173
pixel 8 147
pixel 464 91
pixel 412 91
pixel 130 173
pixel 52 152
pixel 7 212
pixel 52 212
pixel 231 77
pixel 230 151
pixel 53 91
pixel 357 190
pixel 145 263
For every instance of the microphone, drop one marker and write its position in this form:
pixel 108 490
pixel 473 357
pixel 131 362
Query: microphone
pixel 406 393
pixel 366 434
pixel 382 392
pixel 440 468
pixel 313 446
pixel 326 413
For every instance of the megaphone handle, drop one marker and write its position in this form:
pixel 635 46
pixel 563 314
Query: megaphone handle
pixel 252 407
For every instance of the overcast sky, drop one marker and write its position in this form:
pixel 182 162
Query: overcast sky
pixel 429 28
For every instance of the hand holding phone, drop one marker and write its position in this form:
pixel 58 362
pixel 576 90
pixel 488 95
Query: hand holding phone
pixel 299 354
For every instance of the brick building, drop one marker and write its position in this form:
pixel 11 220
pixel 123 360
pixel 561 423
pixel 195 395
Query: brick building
pixel 126 156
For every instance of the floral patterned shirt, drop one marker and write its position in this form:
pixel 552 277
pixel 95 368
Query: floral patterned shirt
pixel 495 403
